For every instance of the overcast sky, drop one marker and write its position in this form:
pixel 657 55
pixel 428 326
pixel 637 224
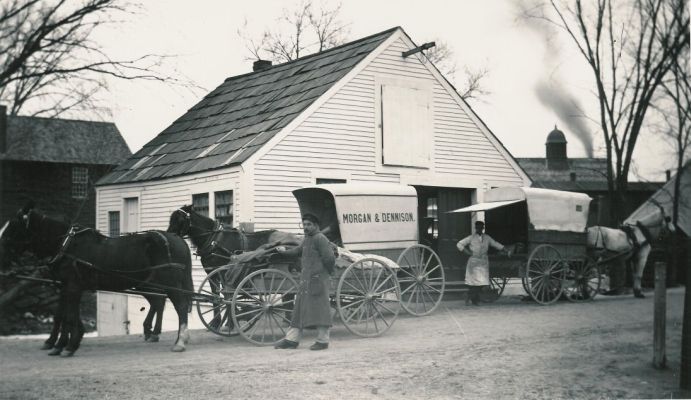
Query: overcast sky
pixel 481 33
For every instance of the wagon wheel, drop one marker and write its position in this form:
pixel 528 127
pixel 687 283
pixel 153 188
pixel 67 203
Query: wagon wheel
pixel 368 297
pixel 421 277
pixel 545 273
pixel 582 280
pixel 496 288
pixel 263 302
pixel 217 292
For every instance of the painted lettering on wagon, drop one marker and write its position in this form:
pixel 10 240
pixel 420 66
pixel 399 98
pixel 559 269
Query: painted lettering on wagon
pixel 358 218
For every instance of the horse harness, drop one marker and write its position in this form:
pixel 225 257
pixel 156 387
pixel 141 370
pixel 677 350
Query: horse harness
pixel 76 230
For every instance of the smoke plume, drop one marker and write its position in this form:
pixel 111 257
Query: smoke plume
pixel 551 90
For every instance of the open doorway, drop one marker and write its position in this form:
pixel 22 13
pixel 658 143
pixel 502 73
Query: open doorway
pixel 440 230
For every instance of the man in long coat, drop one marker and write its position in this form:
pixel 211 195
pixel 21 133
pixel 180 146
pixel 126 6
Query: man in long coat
pixel 312 308
pixel 477 269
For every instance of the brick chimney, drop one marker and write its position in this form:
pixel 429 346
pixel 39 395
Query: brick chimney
pixel 3 129
pixel 261 65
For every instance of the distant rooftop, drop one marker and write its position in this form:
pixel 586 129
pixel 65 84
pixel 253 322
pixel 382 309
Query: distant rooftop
pixel 589 175
pixel 64 141
pixel 233 121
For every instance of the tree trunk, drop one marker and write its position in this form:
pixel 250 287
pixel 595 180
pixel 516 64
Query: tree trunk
pixel 685 373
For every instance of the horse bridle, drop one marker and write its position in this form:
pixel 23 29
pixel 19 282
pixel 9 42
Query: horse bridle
pixel 210 244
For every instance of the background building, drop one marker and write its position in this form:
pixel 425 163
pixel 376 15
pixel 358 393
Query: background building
pixel 585 175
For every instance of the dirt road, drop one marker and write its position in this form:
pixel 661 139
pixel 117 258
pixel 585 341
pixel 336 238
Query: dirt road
pixel 509 349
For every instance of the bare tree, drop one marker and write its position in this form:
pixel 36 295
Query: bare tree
pixel 49 64
pixel 297 32
pixel 630 48
pixel 442 56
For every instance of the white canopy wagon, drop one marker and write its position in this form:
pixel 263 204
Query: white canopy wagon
pixel 370 225
pixel 548 228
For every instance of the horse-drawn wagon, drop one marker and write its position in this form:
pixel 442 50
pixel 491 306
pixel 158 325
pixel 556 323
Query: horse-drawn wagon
pixel 255 292
pixel 548 230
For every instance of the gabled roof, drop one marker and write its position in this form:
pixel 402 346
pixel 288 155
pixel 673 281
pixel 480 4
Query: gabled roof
pixel 665 197
pixel 240 115
pixel 64 141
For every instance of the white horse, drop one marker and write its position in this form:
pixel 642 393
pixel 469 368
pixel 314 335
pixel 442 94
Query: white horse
pixel 632 242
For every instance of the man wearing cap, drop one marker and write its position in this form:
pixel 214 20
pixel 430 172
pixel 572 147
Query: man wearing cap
pixel 312 308
pixel 477 269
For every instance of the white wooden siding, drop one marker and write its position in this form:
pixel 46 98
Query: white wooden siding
pixel 341 136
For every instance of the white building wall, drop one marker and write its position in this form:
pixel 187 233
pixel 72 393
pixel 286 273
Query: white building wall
pixel 157 200
pixel 340 140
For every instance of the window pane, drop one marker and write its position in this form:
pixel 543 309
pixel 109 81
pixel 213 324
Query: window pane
pixel 114 223
pixel 200 203
pixel 224 207
pixel 80 182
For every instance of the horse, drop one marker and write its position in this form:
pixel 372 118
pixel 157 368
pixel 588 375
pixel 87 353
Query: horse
pixel 632 242
pixel 83 259
pixel 218 245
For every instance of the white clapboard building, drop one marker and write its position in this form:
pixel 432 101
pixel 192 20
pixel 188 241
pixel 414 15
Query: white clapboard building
pixel 360 112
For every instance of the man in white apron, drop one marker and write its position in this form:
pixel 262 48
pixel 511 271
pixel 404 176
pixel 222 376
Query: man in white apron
pixel 477 270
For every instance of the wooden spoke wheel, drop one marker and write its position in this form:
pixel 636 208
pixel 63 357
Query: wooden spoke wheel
pixel 582 281
pixel 421 277
pixel 496 288
pixel 263 304
pixel 545 274
pixel 214 305
pixel 368 297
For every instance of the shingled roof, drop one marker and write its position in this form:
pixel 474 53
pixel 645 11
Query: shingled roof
pixel 239 116
pixel 590 175
pixel 64 141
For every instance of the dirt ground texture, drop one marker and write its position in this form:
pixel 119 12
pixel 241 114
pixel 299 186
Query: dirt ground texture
pixel 509 349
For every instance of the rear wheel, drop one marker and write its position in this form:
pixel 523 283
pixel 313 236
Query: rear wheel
pixel 582 280
pixel 263 303
pixel 421 277
pixel 545 274
pixel 367 297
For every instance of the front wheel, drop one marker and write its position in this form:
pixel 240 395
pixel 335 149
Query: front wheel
pixel 213 307
pixel 582 280
pixel 421 277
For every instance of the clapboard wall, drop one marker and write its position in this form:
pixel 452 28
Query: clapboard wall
pixel 338 141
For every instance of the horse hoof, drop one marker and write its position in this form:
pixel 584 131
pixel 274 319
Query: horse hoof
pixel 55 352
pixel 67 353
pixel 638 293
pixel 178 349
pixel 152 339
pixel 46 346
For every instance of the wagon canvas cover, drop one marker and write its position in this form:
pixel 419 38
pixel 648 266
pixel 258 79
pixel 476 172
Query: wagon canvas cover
pixel 554 210
pixel 369 216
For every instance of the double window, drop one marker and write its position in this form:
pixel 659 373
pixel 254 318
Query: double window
pixel 223 206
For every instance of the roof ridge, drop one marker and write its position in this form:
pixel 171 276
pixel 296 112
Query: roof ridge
pixel 314 54
pixel 61 119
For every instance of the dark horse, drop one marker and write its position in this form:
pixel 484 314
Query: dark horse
pixel 218 245
pixel 83 259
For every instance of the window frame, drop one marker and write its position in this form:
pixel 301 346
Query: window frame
pixel 79 182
